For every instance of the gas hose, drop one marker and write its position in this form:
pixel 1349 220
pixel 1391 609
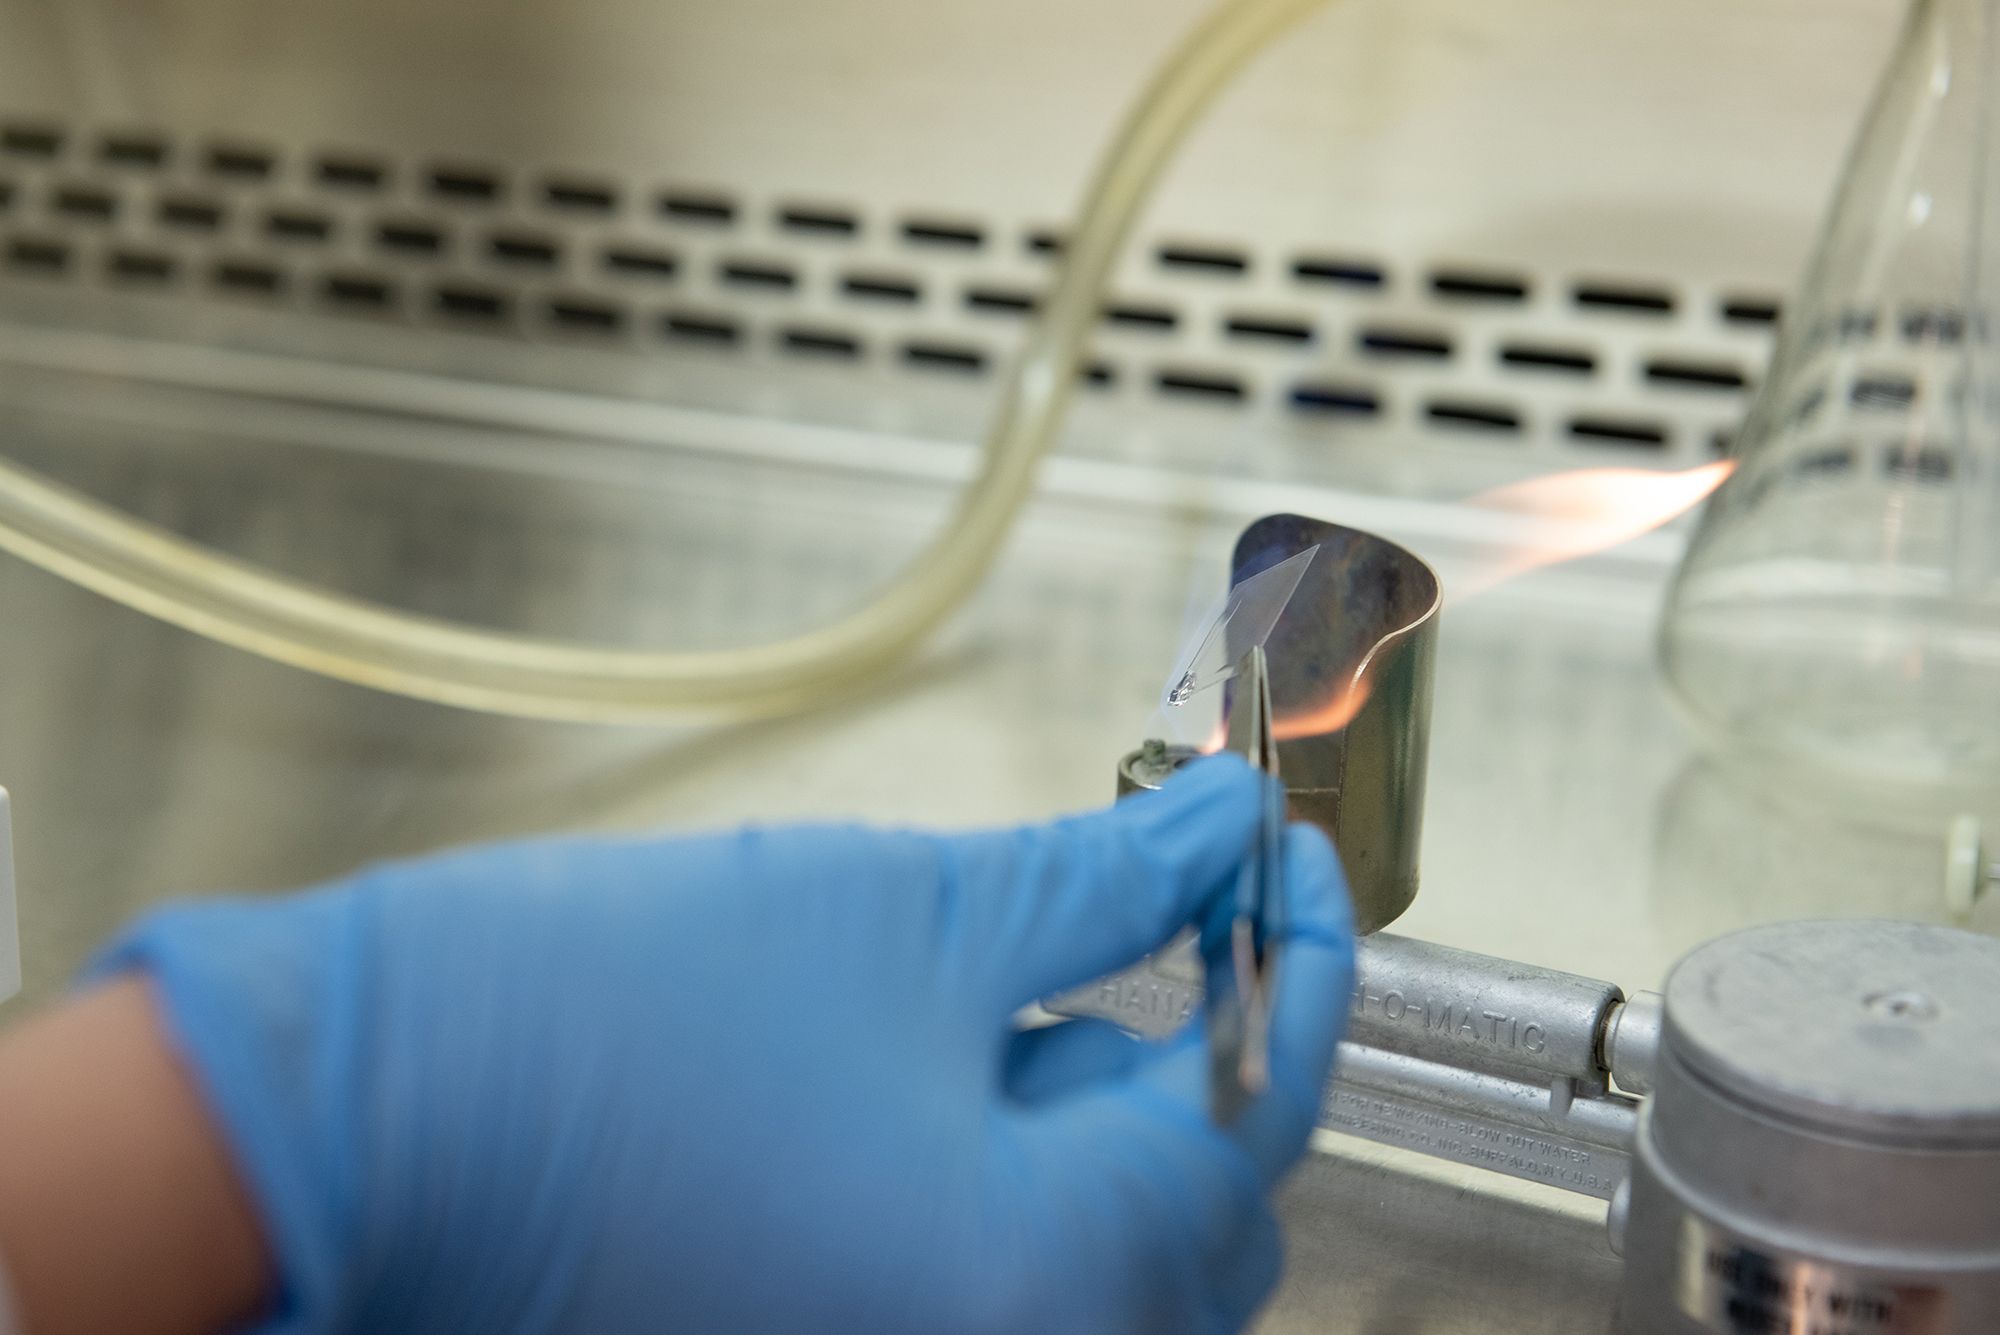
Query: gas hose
pixel 238 603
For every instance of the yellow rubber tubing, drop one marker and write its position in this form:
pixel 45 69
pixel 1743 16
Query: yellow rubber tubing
pixel 231 601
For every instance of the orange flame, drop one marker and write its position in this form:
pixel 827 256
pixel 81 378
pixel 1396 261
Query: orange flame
pixel 1332 716
pixel 1587 510
pixel 1582 511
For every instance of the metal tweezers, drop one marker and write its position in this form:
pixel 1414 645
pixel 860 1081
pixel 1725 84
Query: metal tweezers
pixel 1239 999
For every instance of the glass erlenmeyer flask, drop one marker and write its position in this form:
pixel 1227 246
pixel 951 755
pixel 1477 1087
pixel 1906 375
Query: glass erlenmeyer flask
pixel 1837 617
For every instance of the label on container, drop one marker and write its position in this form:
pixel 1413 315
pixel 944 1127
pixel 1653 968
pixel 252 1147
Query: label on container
pixel 1731 1286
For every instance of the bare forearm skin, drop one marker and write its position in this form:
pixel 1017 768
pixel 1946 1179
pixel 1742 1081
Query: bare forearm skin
pixel 119 1208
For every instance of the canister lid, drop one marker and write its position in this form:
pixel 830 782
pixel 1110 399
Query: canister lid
pixel 1886 1031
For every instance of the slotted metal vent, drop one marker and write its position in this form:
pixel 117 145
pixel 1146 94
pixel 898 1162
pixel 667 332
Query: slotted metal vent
pixel 1303 331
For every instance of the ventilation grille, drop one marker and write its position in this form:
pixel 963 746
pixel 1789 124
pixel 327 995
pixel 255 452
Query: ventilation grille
pixel 1316 337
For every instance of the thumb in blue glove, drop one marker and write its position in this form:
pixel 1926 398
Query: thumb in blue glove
pixel 764 1081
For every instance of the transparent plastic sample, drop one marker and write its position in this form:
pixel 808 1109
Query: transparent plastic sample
pixel 1836 621
pixel 1238 621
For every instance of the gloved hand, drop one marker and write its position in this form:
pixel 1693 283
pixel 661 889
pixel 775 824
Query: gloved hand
pixel 762 1081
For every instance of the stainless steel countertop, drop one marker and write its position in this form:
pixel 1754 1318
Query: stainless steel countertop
pixel 1568 821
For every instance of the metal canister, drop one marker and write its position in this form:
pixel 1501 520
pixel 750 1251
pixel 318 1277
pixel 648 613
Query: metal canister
pixel 1821 1150
pixel 1351 664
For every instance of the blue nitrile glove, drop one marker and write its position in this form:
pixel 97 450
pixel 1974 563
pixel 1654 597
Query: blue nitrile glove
pixel 762 1081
